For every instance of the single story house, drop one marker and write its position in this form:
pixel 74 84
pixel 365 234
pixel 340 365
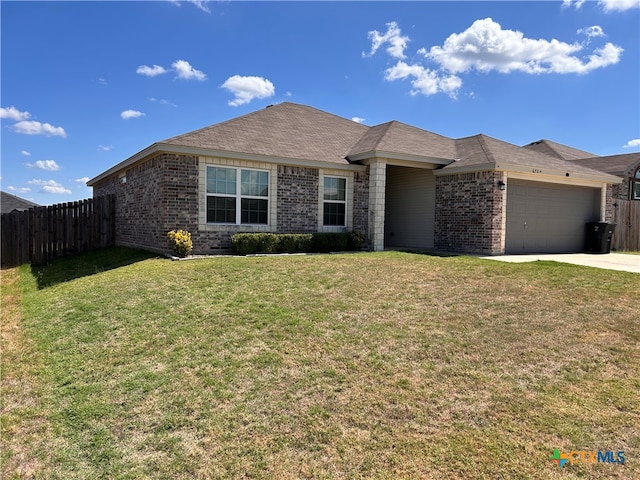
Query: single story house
pixel 12 203
pixel 292 168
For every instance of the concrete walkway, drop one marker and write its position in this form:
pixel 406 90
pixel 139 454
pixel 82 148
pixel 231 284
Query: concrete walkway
pixel 611 261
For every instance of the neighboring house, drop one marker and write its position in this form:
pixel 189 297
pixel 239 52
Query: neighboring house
pixel 293 168
pixel 10 203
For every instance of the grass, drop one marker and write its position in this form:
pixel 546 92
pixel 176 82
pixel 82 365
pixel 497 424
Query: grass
pixel 373 365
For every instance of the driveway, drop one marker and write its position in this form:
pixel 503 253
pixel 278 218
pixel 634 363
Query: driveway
pixel 610 261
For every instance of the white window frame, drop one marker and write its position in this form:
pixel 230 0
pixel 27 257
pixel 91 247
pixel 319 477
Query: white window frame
pixel 238 195
pixel 349 182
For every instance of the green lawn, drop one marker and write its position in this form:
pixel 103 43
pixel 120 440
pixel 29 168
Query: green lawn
pixel 372 365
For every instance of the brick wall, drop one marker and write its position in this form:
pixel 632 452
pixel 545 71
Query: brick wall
pixel 162 194
pixel 297 199
pixel 469 213
pixel 159 194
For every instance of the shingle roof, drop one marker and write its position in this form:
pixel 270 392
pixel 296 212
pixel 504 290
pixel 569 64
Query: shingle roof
pixel 621 165
pixel 400 138
pixel 300 133
pixel 285 130
pixel 558 150
pixel 482 149
pixel 9 203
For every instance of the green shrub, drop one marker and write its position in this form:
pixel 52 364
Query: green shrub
pixel 180 241
pixel 252 243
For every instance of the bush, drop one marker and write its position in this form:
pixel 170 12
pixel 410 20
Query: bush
pixel 252 243
pixel 180 241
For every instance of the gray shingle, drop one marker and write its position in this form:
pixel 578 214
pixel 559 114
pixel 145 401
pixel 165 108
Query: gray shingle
pixel 9 203
pixel 285 130
pixel 621 165
pixel 558 150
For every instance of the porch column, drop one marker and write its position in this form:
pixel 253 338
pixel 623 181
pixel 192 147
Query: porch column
pixel 377 184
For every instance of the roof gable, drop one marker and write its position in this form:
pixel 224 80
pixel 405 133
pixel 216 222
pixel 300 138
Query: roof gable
pixel 558 150
pixel 285 130
pixel 399 138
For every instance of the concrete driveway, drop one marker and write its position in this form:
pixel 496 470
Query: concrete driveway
pixel 610 261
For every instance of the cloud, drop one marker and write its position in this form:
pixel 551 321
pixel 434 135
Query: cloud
pixel 618 5
pixel 357 119
pixel 106 148
pixel 25 153
pixel 49 165
pixel 485 46
pixel 82 180
pixel 162 101
pixel 397 42
pixel 18 190
pixel 632 143
pixel 50 186
pixel 591 32
pixel 32 127
pixel 246 89
pixel 201 4
pixel 127 114
pixel 186 71
pixel 572 3
pixel 606 5
pixel 12 113
pixel 150 71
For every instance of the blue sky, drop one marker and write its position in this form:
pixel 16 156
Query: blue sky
pixel 85 85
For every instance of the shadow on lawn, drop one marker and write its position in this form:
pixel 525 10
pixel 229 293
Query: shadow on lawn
pixel 81 265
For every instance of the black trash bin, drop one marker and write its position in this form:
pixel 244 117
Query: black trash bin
pixel 599 236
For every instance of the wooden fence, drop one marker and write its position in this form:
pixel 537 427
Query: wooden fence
pixel 41 234
pixel 627 219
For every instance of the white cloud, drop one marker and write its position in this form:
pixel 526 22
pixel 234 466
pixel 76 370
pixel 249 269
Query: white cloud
pixel 18 190
pixel 150 71
pixel 32 127
pixel 424 80
pixel 485 46
pixel 105 148
pixel 50 186
pixel 357 119
pixel 49 165
pixel 201 4
pixel 82 180
pixel 618 5
pixel 572 3
pixel 186 71
pixel 25 153
pixel 393 36
pixel 632 143
pixel 246 89
pixel 591 32
pixel 13 113
pixel 162 101
pixel 127 114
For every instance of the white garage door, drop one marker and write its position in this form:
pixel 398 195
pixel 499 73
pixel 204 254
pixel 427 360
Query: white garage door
pixel 545 217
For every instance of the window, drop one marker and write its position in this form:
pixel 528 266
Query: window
pixel 237 196
pixel 335 201
pixel 635 186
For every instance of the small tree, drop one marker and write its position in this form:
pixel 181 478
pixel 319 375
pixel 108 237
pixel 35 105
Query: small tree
pixel 180 241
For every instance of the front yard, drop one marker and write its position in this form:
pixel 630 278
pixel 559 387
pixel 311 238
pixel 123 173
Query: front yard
pixel 389 365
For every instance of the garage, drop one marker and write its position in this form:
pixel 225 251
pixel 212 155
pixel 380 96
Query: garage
pixel 547 217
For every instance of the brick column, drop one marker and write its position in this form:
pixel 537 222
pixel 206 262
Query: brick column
pixel 377 185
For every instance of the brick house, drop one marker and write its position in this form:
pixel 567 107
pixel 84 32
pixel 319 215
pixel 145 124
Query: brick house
pixel 295 169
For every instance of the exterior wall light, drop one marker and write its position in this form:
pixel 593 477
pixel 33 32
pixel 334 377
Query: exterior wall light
pixel 502 185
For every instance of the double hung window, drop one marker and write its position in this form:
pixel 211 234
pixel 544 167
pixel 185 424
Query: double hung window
pixel 237 196
pixel 335 201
